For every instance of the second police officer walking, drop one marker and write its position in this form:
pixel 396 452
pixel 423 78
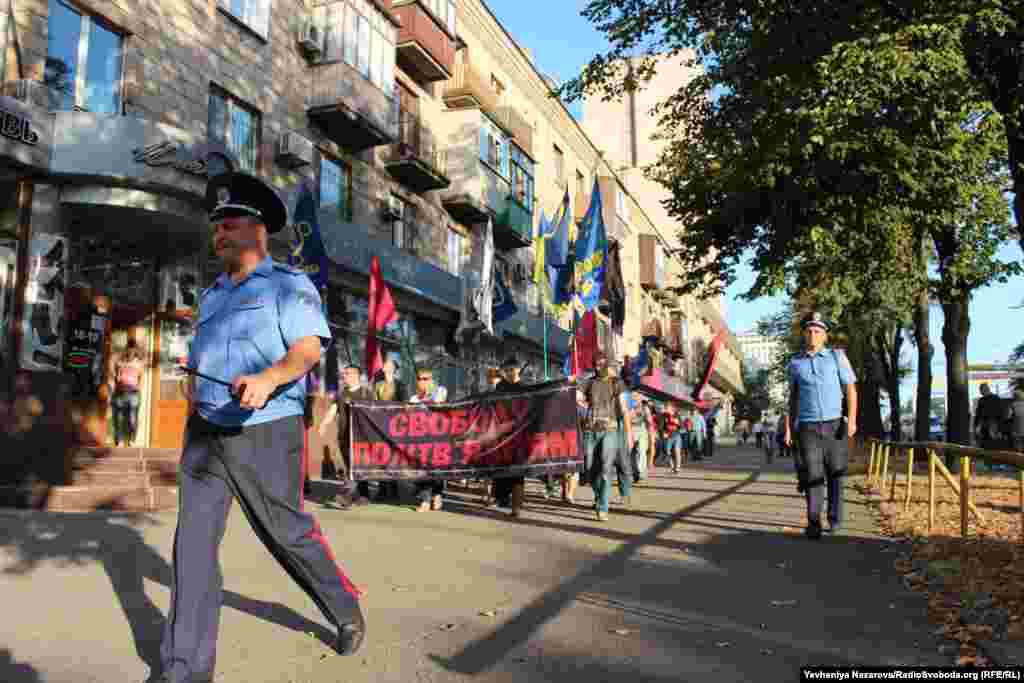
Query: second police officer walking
pixel 819 379
pixel 259 331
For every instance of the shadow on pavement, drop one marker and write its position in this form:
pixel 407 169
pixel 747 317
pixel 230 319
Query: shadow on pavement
pixel 115 541
pixel 12 671
pixel 483 654
pixel 743 604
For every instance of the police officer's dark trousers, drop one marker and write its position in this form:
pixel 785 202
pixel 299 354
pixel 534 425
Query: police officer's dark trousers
pixel 261 467
pixel 821 461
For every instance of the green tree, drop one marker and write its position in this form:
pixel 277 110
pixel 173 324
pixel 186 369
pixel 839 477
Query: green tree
pixel 755 400
pixel 841 134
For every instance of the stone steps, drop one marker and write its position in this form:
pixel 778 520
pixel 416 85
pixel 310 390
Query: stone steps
pixel 123 479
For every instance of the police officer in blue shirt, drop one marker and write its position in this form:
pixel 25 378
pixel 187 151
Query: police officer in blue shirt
pixel 818 380
pixel 260 329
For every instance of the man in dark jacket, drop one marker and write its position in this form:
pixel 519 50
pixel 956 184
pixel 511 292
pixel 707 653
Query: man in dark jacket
pixel 509 491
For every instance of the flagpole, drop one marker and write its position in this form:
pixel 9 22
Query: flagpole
pixel 544 311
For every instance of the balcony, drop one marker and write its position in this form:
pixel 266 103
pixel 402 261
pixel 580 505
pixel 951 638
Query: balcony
pixel 352 111
pixel 353 234
pixel 468 88
pixel 415 160
pixel 526 325
pixel 513 225
pixel 518 127
pixel 425 51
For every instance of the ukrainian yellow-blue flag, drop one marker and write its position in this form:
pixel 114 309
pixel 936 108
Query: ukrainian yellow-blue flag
pixel 591 254
pixel 540 277
pixel 557 261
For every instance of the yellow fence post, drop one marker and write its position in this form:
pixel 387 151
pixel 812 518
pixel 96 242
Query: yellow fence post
pixel 885 465
pixel 931 490
pixel 910 476
pixel 965 484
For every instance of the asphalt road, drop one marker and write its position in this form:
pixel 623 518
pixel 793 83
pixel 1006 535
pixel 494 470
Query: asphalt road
pixel 705 578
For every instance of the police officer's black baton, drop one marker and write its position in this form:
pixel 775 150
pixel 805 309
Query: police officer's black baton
pixel 192 371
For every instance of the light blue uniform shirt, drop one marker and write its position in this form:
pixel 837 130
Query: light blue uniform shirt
pixel 243 329
pixel 820 379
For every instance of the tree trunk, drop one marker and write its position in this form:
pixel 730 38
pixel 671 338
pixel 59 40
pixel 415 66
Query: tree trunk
pixel 869 397
pixel 955 328
pixel 925 351
pixel 893 384
pixel 1015 147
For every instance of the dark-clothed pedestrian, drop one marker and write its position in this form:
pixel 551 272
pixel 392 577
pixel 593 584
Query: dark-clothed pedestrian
pixel 510 491
pixel 609 415
pixel 351 389
pixel 1017 420
pixel 260 329
pixel 819 379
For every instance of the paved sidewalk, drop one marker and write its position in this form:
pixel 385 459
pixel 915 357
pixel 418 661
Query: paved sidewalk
pixel 700 580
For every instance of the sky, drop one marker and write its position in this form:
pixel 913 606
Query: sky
pixel 562 42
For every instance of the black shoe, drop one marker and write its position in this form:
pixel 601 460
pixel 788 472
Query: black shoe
pixel 813 530
pixel 351 635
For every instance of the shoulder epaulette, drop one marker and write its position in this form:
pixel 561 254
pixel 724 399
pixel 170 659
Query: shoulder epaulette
pixel 285 268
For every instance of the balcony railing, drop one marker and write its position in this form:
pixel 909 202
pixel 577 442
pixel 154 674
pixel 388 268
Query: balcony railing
pixel 361 226
pixel 416 159
pixel 513 225
pixel 352 111
pixel 424 51
pixel 468 88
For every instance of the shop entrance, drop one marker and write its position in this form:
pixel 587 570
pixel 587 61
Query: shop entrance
pixel 145 294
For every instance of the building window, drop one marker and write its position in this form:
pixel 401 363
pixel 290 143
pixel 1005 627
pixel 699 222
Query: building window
pixel 83 62
pixel 336 187
pixel 521 169
pixel 559 166
pixel 253 13
pixel 494 147
pixel 360 36
pixel 403 229
pixel 236 126
pixel 456 242
pixel 444 10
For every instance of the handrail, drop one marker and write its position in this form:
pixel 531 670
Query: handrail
pixel 878 468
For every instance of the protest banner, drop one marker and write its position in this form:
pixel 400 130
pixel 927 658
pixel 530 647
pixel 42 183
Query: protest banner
pixel 527 433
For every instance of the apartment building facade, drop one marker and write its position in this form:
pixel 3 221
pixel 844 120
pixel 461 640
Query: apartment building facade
pixel 418 122
pixel 683 324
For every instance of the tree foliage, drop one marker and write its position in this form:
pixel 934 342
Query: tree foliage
pixel 841 137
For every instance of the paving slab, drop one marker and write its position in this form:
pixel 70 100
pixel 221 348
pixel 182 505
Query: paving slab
pixel 706 575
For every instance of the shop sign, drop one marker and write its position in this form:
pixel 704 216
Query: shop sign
pixel 17 128
pixel 167 153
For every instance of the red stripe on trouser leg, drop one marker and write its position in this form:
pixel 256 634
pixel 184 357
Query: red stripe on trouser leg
pixel 318 536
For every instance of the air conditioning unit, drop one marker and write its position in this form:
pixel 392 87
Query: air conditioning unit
pixel 311 39
pixel 31 92
pixel 293 150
